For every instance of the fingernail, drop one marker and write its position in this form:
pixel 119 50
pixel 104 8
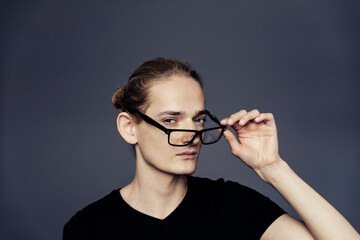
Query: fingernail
pixel 223 121
pixel 241 121
pixel 229 121
pixel 257 119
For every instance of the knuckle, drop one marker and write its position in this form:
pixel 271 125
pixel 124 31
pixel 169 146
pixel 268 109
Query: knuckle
pixel 242 112
pixel 232 116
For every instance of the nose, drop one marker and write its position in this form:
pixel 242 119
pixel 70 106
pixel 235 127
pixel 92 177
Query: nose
pixel 190 138
pixel 189 124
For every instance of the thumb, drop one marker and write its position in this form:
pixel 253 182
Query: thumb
pixel 233 142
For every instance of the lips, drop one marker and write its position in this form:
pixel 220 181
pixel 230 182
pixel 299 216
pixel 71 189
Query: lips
pixel 187 154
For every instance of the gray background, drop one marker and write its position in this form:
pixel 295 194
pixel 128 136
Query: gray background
pixel 62 60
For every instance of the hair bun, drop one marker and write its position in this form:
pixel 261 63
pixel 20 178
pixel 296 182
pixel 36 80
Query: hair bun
pixel 117 99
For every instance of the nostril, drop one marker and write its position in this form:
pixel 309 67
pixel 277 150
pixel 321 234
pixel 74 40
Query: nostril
pixel 189 137
pixel 193 138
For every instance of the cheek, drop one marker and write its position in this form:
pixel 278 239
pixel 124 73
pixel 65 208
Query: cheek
pixel 151 141
pixel 155 150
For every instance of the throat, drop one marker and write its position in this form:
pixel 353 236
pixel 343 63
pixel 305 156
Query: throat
pixel 157 201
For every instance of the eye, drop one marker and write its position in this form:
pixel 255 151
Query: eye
pixel 169 121
pixel 200 120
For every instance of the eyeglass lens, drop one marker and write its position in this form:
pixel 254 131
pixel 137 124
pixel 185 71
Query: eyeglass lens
pixel 181 138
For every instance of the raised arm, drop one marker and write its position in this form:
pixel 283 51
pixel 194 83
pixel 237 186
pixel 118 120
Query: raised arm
pixel 258 148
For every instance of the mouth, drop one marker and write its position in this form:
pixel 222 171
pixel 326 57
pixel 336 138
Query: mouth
pixel 187 154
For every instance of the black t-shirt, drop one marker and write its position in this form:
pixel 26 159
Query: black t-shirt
pixel 210 210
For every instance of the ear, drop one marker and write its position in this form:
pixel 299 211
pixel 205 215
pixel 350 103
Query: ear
pixel 126 127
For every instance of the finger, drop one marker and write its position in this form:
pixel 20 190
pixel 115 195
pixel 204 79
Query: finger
pixel 236 117
pixel 224 121
pixel 249 116
pixel 233 142
pixel 265 117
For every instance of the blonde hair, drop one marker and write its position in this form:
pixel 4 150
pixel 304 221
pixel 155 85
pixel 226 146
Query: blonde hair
pixel 133 96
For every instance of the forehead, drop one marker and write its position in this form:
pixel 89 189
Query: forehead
pixel 177 93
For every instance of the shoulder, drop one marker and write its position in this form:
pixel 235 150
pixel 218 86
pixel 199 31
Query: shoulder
pixel 220 186
pixel 236 204
pixel 234 197
pixel 80 224
pixel 234 192
pixel 103 205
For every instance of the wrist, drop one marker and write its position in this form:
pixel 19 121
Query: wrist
pixel 273 173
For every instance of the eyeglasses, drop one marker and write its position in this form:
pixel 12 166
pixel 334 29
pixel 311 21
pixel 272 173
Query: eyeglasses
pixel 184 137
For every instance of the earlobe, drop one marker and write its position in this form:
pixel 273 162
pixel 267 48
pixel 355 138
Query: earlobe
pixel 126 127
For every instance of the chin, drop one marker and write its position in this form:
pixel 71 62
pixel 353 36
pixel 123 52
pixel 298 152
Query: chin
pixel 186 169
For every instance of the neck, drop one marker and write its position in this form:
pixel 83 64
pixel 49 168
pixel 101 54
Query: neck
pixel 153 192
pixel 162 185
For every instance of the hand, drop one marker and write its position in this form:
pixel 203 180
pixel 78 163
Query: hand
pixel 257 143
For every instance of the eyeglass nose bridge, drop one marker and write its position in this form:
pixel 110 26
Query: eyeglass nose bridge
pixel 197 133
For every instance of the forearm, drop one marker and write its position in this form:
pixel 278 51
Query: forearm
pixel 322 219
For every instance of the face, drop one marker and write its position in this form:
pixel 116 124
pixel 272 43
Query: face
pixel 174 103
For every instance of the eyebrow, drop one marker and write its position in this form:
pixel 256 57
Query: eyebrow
pixel 201 112
pixel 177 113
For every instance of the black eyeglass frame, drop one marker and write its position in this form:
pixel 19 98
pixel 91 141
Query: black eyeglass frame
pixel 168 131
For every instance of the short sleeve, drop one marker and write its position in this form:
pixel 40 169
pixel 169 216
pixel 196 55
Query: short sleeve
pixel 250 208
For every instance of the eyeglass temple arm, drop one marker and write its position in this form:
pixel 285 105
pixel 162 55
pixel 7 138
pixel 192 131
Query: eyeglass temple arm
pixel 152 122
pixel 213 117
pixel 164 129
